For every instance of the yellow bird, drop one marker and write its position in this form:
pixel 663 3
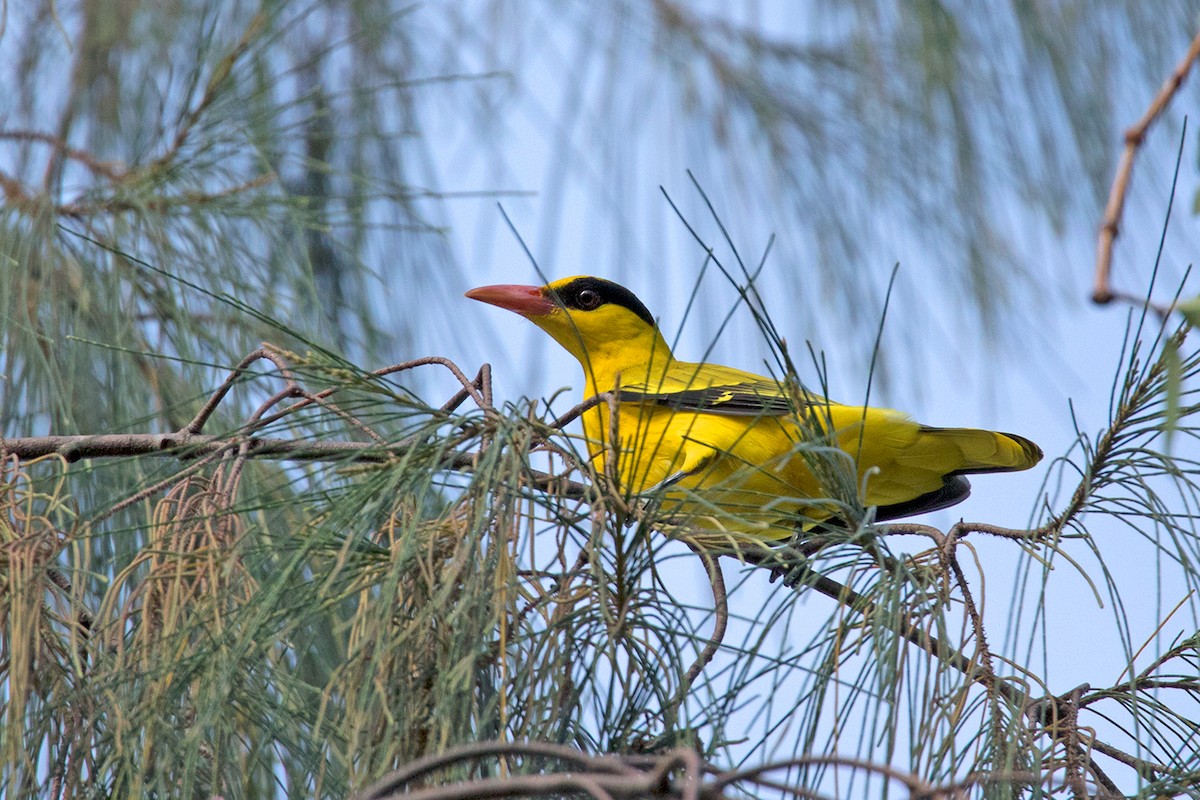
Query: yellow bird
pixel 736 454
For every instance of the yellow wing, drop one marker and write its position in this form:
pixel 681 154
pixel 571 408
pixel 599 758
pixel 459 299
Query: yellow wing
pixel 736 439
pixel 713 388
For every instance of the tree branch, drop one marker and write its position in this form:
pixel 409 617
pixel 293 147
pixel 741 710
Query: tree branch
pixel 1102 291
pixel 793 565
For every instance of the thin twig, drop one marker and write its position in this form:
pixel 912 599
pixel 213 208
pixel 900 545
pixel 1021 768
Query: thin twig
pixel 949 553
pixel 961 529
pixel 83 619
pixel 720 617
pixel 214 401
pixel 482 382
pixel 475 393
pixel 111 170
pixel 843 594
pixel 913 783
pixel 1110 226
pixel 220 74
pixel 123 445
pixel 632 776
pixel 1143 766
pixel 908 629
pixel 82 210
pixel 182 445
pixel 190 443
pixel 1187 646
pixel 1066 729
pixel 577 411
pixel 480 750
pixel 165 483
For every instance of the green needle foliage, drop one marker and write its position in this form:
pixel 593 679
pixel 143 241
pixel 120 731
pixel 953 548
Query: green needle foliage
pixel 299 576
pixel 292 629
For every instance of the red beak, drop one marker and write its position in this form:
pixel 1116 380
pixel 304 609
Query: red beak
pixel 525 300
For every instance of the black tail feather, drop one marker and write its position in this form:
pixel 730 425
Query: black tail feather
pixel 954 490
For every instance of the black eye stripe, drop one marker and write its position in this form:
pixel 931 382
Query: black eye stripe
pixel 606 292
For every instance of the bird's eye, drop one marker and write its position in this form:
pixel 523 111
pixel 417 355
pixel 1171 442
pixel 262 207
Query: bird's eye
pixel 588 299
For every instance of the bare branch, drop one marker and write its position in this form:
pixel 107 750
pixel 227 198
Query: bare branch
pixel 207 410
pixel 474 752
pixel 720 617
pixel 1102 291
pixel 578 410
pixel 186 446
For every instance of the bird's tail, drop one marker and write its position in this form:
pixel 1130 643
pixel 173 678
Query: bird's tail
pixel 988 451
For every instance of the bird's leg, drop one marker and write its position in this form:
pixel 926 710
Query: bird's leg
pixel 790 563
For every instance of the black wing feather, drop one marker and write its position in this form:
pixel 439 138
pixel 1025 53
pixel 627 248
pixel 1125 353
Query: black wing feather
pixel 732 399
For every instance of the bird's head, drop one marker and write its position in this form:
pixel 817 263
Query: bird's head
pixel 599 322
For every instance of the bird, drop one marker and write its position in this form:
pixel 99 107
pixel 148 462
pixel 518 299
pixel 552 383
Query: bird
pixel 731 454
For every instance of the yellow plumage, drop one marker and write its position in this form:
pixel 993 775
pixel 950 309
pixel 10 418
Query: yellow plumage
pixel 735 452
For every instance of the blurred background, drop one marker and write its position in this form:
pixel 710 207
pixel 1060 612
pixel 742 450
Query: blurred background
pixel 344 171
